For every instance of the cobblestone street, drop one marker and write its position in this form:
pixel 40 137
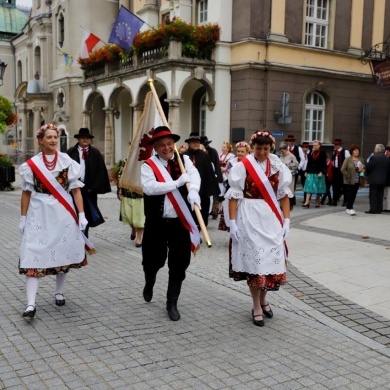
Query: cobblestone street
pixel 107 337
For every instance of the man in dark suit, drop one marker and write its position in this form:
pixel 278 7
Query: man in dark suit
pixel 209 185
pixel 214 158
pixel 93 174
pixel 297 152
pixel 338 157
pixel 376 171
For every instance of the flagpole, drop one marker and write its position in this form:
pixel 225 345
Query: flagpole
pixel 181 165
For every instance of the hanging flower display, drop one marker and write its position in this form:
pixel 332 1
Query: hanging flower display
pixel 7 116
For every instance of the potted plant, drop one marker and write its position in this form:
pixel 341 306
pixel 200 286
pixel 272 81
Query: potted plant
pixel 7 173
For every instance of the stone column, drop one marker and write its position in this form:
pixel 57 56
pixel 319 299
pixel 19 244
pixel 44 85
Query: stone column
pixel 378 22
pixel 174 114
pixel 278 13
pixel 356 33
pixel 109 137
pixel 137 112
pixel 24 125
pixel 37 119
pixel 87 119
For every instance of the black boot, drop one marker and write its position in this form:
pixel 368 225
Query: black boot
pixel 172 297
pixel 148 289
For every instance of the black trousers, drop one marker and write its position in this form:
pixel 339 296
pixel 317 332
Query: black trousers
pixel 205 204
pixel 350 191
pixel 376 197
pixel 337 184
pixel 166 239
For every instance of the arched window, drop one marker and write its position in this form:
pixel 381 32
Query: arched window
pixel 202 115
pixel 61 30
pixel 19 73
pixel 37 61
pixel 314 117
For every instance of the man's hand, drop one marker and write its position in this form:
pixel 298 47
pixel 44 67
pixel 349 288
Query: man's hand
pixel 193 198
pixel 183 179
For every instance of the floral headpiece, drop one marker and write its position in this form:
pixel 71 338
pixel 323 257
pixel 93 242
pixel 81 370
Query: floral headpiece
pixel 264 133
pixel 43 128
pixel 242 144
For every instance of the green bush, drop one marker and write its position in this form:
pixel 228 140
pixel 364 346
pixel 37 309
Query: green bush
pixel 5 161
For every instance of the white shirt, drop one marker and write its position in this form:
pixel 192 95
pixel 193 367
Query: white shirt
pixel 82 163
pixel 303 159
pixel 346 155
pixel 151 186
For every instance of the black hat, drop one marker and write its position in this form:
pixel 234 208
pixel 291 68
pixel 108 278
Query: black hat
pixel 290 138
pixel 204 140
pixel 337 141
pixel 83 133
pixel 193 137
pixel 161 132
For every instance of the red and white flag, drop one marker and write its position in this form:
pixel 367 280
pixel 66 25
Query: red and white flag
pixel 140 150
pixel 89 42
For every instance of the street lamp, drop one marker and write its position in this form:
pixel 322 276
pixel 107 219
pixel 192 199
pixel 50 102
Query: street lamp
pixel 3 65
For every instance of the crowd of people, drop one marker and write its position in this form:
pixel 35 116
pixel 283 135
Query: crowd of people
pixel 253 192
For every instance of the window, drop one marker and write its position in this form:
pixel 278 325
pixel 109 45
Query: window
pixel 202 116
pixel 317 23
pixel 19 73
pixel 202 11
pixel 61 30
pixel 314 117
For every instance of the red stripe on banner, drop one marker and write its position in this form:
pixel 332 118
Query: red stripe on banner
pixel 171 197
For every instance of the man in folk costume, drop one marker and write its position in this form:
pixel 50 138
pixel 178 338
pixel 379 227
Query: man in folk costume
pixel 209 184
pixel 338 157
pixel 93 174
pixel 170 230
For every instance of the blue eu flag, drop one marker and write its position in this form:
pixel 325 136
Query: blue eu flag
pixel 125 28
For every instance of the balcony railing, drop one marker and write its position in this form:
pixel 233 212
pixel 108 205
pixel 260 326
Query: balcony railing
pixel 147 58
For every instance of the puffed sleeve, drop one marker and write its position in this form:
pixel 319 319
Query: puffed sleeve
pixel 74 172
pixel 236 179
pixel 27 178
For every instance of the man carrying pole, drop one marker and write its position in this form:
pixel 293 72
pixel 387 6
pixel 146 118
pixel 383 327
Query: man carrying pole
pixel 170 230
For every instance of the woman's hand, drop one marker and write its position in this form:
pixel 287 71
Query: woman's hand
pixel 320 174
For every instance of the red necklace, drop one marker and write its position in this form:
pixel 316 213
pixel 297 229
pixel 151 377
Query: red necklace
pixel 50 165
pixel 267 170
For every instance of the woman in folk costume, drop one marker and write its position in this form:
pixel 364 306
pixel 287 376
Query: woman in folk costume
pixel 258 224
pixel 52 238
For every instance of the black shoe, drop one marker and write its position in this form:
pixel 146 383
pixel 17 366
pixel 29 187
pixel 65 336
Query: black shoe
pixel 173 313
pixel 132 237
pixel 267 313
pixel 386 211
pixel 306 206
pixel 330 203
pixel 334 204
pixel 30 313
pixel 60 302
pixel 370 212
pixel 138 245
pixel 344 204
pixel 148 292
pixel 257 322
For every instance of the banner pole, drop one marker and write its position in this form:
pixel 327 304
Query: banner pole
pixel 181 165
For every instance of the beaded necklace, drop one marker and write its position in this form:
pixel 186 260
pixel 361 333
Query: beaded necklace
pixel 50 165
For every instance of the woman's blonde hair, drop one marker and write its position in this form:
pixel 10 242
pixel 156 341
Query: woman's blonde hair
pixel 229 145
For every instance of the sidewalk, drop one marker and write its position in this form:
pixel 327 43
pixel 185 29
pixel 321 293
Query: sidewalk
pixel 107 337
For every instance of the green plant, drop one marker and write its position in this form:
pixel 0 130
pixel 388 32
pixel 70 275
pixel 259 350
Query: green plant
pixel 7 116
pixel 5 161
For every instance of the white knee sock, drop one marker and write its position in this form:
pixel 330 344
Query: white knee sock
pixel 31 289
pixel 60 281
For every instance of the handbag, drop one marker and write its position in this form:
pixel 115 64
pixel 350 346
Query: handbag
pixel 93 214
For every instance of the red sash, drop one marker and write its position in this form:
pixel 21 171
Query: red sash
pixel 178 204
pixel 58 192
pixel 264 186
pixel 266 190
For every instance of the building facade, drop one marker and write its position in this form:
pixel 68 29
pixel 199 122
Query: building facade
pixel 293 67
